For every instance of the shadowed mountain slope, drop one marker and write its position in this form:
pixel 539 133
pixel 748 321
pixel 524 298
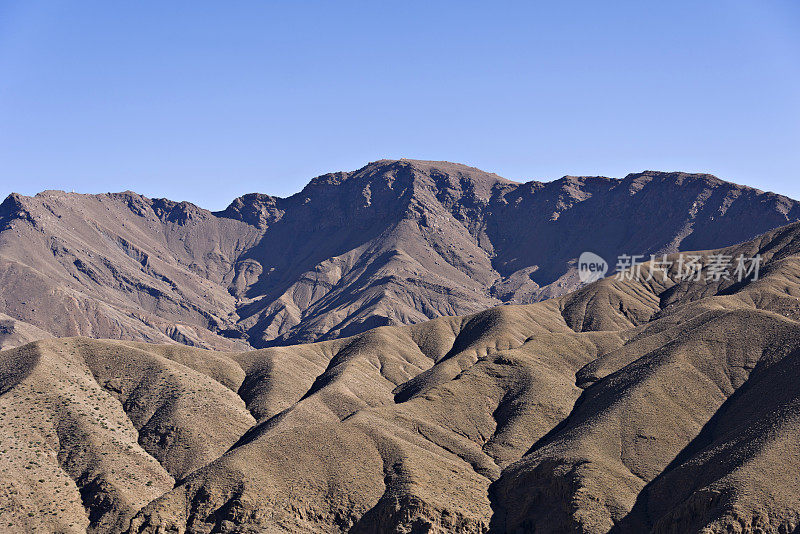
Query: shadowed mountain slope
pixel 662 405
pixel 396 242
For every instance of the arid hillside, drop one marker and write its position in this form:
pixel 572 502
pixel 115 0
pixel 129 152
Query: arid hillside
pixel 661 405
pixel 396 242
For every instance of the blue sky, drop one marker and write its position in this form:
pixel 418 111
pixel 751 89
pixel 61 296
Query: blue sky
pixel 205 101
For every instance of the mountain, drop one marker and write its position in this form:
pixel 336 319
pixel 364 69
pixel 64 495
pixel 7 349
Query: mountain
pixel 396 242
pixel 652 404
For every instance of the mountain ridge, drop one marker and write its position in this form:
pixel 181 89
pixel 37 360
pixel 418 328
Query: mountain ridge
pixel 395 242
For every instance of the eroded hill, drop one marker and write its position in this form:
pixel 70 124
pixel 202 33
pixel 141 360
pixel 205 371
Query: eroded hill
pixel 663 405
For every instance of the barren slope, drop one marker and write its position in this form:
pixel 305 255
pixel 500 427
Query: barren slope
pixel 14 333
pixel 626 406
pixel 119 266
pixel 396 242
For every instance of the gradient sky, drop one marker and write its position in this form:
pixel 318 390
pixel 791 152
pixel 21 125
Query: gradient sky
pixel 205 101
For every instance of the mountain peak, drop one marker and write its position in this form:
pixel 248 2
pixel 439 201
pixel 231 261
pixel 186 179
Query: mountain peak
pixel 256 209
pixel 679 178
pixel 395 241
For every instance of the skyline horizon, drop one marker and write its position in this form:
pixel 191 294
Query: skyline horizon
pixel 226 204
pixel 219 100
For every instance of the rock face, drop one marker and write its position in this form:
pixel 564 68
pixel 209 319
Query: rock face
pixel 396 242
pixel 628 406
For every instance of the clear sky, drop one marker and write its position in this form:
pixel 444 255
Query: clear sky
pixel 204 101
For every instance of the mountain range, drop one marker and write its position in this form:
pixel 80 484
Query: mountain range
pixel 653 404
pixel 395 242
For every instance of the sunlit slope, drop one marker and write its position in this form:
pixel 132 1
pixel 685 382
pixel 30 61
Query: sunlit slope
pixel 629 405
